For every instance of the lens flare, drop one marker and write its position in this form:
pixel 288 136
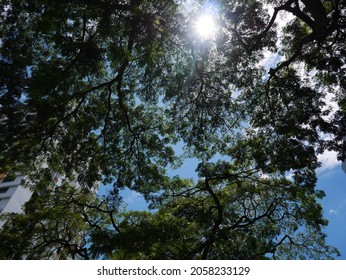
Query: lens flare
pixel 205 26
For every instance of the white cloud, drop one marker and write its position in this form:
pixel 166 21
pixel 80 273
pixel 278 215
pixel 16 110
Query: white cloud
pixel 133 200
pixel 133 197
pixel 289 175
pixel 270 60
pixel 332 211
pixel 329 161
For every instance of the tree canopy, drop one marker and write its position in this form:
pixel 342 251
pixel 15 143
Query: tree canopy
pixel 104 91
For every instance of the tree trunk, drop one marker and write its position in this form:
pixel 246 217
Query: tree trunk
pixel 319 14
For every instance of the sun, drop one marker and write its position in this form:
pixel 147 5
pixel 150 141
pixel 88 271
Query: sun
pixel 205 26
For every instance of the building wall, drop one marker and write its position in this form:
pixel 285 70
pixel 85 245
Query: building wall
pixel 13 196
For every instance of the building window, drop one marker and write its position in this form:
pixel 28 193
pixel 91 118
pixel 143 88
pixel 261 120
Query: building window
pixel 4 190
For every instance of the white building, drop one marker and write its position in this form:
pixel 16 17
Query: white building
pixel 12 195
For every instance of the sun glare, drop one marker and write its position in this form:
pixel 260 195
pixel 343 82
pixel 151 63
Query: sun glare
pixel 205 26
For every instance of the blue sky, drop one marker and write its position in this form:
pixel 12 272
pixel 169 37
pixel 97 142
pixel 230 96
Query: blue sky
pixel 331 179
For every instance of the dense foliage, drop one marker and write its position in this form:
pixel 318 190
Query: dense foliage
pixel 105 91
